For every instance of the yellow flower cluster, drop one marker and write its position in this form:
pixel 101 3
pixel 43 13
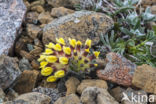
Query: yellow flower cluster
pixel 59 58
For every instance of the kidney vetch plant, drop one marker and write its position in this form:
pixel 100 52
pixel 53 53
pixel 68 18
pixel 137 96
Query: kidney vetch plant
pixel 59 58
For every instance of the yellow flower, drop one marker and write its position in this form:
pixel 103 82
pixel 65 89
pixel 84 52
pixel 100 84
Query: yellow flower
pixel 48 52
pixel 95 65
pixel 78 43
pixel 46 71
pixel 50 45
pixel 87 50
pixel 58 47
pixel 42 57
pixel 59 74
pixel 63 60
pixel 67 50
pixel 60 41
pixel 96 53
pixel 43 64
pixel 51 79
pixel 72 42
pixel 51 59
pixel 88 43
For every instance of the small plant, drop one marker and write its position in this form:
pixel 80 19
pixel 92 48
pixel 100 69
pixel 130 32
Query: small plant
pixel 58 58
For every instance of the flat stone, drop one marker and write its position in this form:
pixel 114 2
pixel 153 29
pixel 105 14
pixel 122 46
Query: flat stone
pixel 51 92
pixel 91 83
pixel 71 85
pixel 94 95
pixel 145 78
pixel 9 71
pixel 118 70
pixel 70 99
pixel 11 16
pixel 27 81
pixel 33 98
pixel 61 11
pixel 64 3
pixel 79 25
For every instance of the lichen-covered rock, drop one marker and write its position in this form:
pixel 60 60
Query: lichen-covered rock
pixel 61 11
pixel 91 83
pixel 31 98
pixel 9 71
pixel 51 92
pixel 71 85
pixel 27 81
pixel 70 99
pixel 11 16
pixel 64 3
pixel 118 70
pixel 79 25
pixel 94 95
pixel 145 78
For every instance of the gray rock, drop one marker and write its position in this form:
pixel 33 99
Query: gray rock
pixel 24 64
pixel 53 93
pixel 11 16
pixel 31 98
pixel 2 96
pixel 79 25
pixel 94 95
pixel 9 71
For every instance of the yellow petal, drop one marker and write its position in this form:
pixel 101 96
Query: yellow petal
pixel 87 50
pixel 96 53
pixel 72 42
pixel 88 43
pixel 63 60
pixel 42 57
pixel 60 41
pixel 78 43
pixel 58 47
pixel 59 74
pixel 67 50
pixel 95 65
pixel 51 79
pixel 46 71
pixel 50 45
pixel 48 52
pixel 51 59
pixel 43 64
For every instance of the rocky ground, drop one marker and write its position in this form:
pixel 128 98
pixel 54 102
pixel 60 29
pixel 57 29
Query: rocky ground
pixel 30 24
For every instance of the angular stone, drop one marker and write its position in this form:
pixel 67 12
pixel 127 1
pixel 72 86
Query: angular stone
pixel 118 70
pixel 64 3
pixel 27 81
pixel 36 51
pixel 91 83
pixel 35 64
pixel 61 11
pixel 71 85
pixel 70 99
pixel 11 94
pixel 45 17
pixel 33 98
pixel 37 8
pixel 26 55
pixel 24 64
pixel 94 95
pixel 32 17
pixel 9 71
pixel 51 92
pixel 2 96
pixel 79 25
pixel 33 30
pixel 145 78
pixel 11 16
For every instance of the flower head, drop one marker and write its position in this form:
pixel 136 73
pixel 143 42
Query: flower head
pixel 88 43
pixel 60 41
pixel 58 58
pixel 63 60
